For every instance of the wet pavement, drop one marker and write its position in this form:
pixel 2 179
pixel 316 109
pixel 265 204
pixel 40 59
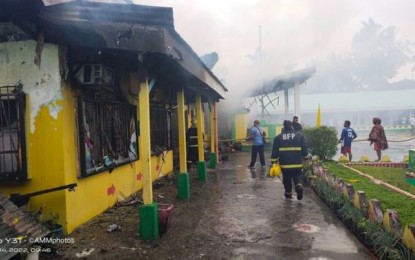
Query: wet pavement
pixel 259 223
pixel 237 213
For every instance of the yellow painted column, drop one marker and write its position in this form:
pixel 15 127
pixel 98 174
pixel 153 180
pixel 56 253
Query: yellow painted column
pixel 148 212
pixel 183 186
pixel 145 142
pixel 216 132
pixel 213 138
pixel 212 127
pixel 181 131
pixel 201 166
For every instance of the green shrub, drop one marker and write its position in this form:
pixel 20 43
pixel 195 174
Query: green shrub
pixel 321 141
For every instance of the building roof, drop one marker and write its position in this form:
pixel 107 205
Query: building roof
pixel 359 101
pixel 131 27
pixel 283 82
pixel 16 224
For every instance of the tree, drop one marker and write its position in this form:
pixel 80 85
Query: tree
pixel 321 141
pixel 376 55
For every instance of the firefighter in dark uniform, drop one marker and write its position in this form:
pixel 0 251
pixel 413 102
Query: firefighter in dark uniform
pixel 289 148
pixel 192 148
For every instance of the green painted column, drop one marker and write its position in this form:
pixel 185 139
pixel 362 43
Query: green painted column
pixel 149 221
pixel 183 186
pixel 212 161
pixel 148 212
pixel 213 137
pixel 201 171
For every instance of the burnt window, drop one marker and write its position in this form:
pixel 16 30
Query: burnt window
pixel 108 135
pixel 160 129
pixel 12 134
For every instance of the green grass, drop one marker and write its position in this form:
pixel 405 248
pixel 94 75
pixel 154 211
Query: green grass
pixel 393 176
pixel 389 199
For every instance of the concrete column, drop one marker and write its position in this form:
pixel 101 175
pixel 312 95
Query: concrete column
pixel 201 165
pixel 286 102
pixel 213 138
pixel 183 185
pixel 149 211
pixel 297 100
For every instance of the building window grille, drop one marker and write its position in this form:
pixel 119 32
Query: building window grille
pixel 12 134
pixel 108 135
pixel 160 129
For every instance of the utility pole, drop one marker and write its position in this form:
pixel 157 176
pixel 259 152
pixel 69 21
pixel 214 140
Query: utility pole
pixel 261 98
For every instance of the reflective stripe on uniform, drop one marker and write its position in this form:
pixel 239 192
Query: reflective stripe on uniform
pixel 193 137
pixel 289 166
pixel 290 149
pixel 192 145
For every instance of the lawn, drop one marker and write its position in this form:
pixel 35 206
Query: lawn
pixel 393 176
pixel 389 199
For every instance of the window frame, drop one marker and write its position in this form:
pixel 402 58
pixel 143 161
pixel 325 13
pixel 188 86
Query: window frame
pixel 81 128
pixel 157 112
pixel 21 174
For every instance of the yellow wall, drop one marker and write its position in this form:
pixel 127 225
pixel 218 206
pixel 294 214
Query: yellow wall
pixel 44 133
pixel 91 196
pixel 52 147
pixel 266 130
pixel 240 126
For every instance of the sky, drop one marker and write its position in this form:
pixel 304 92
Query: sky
pixel 290 34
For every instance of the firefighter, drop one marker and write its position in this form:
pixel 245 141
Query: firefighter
pixel 289 149
pixel 192 147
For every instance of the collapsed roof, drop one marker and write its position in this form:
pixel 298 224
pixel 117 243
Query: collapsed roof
pixel 283 82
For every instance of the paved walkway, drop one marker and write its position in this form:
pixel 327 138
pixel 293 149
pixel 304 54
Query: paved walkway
pixel 259 223
pixel 237 213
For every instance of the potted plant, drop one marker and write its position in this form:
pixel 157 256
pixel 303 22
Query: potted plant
pixel 56 229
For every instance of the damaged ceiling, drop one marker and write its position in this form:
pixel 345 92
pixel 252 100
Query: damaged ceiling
pixel 283 82
pixel 145 30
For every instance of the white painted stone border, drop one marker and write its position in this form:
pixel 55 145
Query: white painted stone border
pixel 376 181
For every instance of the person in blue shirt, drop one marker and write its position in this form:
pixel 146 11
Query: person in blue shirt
pixel 346 138
pixel 256 135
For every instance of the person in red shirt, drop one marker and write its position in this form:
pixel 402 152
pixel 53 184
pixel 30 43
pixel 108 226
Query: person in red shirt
pixel 377 137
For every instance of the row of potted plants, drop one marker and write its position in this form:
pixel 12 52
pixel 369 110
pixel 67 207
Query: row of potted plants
pixel 353 210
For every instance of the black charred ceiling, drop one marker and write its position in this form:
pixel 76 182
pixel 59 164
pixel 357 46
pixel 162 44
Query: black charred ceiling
pixel 121 31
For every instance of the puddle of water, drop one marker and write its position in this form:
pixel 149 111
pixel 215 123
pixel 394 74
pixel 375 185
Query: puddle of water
pixel 334 239
pixel 245 196
pixel 306 228
pixel 241 176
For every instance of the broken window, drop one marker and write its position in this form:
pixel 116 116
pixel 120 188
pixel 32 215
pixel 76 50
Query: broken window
pixel 160 125
pixel 108 135
pixel 12 134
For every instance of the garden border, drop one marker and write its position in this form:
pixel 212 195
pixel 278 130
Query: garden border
pixel 365 216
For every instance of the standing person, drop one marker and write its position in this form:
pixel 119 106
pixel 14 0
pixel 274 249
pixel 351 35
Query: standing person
pixel 289 148
pixel 192 147
pixel 297 126
pixel 256 135
pixel 346 138
pixel 377 137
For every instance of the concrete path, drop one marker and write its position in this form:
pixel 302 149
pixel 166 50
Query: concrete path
pixel 257 222
pixel 237 213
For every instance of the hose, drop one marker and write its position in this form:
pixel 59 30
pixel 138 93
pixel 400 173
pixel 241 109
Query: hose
pixel 392 141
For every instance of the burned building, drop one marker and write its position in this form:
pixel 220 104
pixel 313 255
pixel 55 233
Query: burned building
pixel 96 96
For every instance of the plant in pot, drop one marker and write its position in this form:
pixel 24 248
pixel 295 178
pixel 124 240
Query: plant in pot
pixel 56 229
